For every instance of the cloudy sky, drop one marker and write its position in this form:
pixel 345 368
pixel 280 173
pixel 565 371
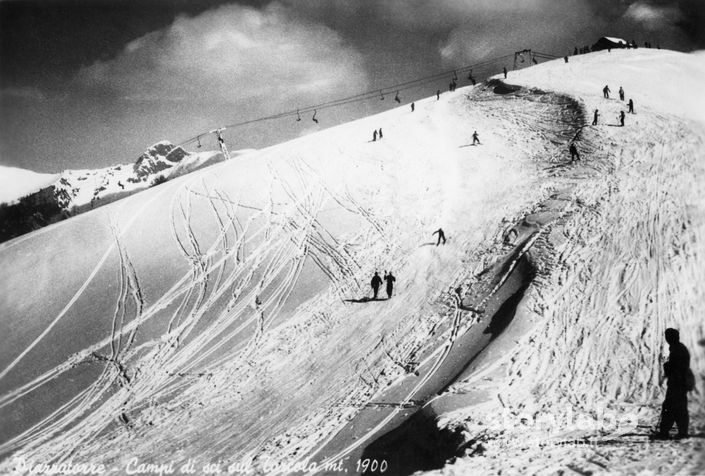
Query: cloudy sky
pixel 89 83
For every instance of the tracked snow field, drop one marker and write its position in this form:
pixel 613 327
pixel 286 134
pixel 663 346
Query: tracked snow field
pixel 224 316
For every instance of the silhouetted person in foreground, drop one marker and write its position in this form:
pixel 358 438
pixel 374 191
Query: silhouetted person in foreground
pixel 475 138
pixel 412 107
pixel 504 70
pixel 380 133
pixel 606 92
pixel 621 94
pixel 376 282
pixel 389 278
pixel 630 105
pixel 441 236
pixel 621 118
pixel 596 115
pixel 374 136
pixel 574 152
pixel 680 381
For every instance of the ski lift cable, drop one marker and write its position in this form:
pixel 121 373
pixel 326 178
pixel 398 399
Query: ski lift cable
pixel 361 96
pixel 475 67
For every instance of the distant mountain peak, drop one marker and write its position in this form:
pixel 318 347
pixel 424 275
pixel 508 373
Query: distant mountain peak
pixel 160 156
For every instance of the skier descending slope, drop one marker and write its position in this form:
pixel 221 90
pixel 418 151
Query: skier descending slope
pixel 441 236
pixel 475 138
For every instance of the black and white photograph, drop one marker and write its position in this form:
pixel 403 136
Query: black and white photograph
pixel 352 237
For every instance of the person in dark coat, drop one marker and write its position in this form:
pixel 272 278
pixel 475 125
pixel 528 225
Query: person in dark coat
pixel 504 70
pixel 441 236
pixel 621 118
pixel 438 95
pixel 606 92
pixel 676 371
pixel 574 152
pixel 621 94
pixel 374 136
pixel 630 105
pixel 376 282
pixel 412 107
pixel 596 115
pixel 389 278
pixel 475 138
pixel 380 133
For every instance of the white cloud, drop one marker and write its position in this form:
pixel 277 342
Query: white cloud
pixel 652 16
pixel 232 54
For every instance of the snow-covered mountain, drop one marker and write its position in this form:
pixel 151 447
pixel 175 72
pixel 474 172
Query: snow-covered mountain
pixel 225 318
pixel 75 191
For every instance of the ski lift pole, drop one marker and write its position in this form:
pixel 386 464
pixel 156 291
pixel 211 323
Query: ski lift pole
pixel 221 142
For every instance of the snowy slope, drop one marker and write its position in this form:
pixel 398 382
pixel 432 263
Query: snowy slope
pixel 588 349
pixel 225 315
pixel 16 182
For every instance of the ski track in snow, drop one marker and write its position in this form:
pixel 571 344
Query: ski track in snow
pixel 236 374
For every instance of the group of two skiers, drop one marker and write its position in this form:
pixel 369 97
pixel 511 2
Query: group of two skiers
pixel 377 282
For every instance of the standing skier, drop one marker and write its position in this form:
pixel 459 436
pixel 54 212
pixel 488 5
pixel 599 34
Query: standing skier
pixel 630 105
pixel 504 70
pixel 596 114
pixel 574 152
pixel 412 107
pixel 374 136
pixel 621 118
pixel 621 94
pixel 380 133
pixel 606 92
pixel 389 278
pixel 376 282
pixel 680 381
